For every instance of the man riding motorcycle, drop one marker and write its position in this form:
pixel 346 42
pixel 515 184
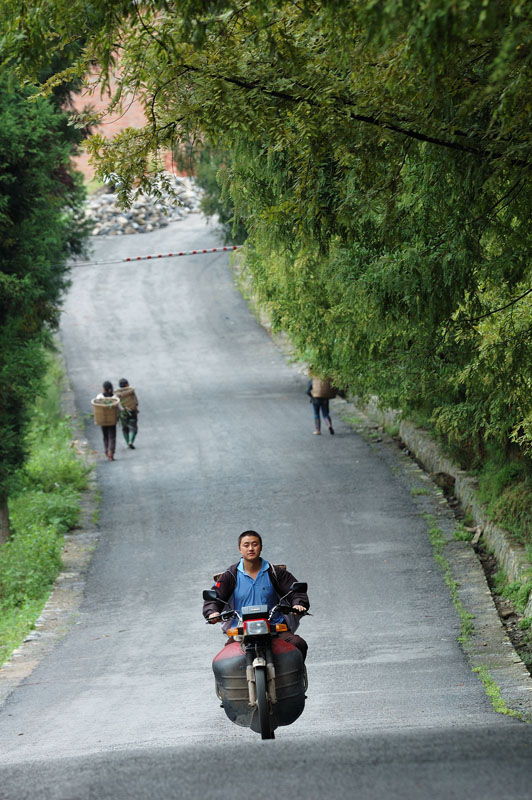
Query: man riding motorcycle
pixel 254 581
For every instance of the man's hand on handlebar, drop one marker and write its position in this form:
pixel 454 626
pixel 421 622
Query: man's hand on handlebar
pixel 282 609
pixel 219 616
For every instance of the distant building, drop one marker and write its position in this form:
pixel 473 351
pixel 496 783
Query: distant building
pixel 132 117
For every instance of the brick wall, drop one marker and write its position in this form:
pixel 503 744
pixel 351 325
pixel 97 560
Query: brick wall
pixel 132 117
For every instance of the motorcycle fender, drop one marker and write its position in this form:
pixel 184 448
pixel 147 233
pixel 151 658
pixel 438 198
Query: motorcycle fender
pixel 259 661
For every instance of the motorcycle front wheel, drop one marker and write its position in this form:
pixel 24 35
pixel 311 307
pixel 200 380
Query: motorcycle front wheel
pixel 262 704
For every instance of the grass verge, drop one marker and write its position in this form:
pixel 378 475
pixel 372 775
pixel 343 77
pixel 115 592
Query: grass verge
pixel 44 505
pixel 438 541
pixel 516 592
pixel 505 489
pixel 494 694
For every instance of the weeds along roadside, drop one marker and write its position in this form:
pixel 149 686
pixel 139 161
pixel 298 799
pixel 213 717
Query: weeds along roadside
pixel 45 503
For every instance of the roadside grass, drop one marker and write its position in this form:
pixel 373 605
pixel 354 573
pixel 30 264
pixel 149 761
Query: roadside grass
pixel 438 541
pixel 494 694
pixel 504 481
pixel 96 512
pixel 391 429
pixel 462 535
pixel 44 505
pixel 352 419
pixel 517 592
pixel 505 488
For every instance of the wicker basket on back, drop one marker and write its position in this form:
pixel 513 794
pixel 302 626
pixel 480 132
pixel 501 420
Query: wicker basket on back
pixel 323 389
pixel 105 410
pixel 128 398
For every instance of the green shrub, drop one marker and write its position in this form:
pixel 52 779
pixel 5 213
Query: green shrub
pixel 518 593
pixel 499 581
pixel 497 474
pixel 29 564
pixel 52 462
pixel 15 622
pixel 461 535
pixel 505 488
pixel 59 510
pixel 44 505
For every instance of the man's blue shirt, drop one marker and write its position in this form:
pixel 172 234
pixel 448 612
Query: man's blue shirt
pixel 258 592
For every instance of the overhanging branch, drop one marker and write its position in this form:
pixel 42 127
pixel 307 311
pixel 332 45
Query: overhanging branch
pixel 366 119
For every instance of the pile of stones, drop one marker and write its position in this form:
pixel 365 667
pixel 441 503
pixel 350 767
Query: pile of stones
pixel 147 213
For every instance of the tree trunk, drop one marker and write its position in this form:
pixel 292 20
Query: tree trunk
pixel 5 532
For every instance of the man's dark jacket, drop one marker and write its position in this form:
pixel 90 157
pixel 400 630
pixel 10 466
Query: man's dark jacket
pixel 281 580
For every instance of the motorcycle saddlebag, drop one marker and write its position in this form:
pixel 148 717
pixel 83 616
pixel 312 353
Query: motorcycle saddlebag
pixel 229 667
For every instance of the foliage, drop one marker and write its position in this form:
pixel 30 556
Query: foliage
pixel 212 169
pixel 505 488
pixel 48 467
pixel 30 563
pixel 493 691
pixel 45 505
pixel 380 158
pixel 517 592
pixel 40 228
pixel 438 541
pixel 462 535
pixel 15 622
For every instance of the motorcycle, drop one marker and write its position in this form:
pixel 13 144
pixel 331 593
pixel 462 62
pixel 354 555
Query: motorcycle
pixel 260 678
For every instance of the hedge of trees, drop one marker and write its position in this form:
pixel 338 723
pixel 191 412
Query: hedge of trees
pixel 41 227
pixel 379 156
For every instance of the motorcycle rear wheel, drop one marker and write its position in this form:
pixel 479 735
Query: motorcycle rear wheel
pixel 262 704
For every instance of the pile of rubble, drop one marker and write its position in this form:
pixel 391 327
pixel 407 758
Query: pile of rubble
pixel 147 213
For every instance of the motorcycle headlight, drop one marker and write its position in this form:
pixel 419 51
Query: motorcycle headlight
pixel 255 627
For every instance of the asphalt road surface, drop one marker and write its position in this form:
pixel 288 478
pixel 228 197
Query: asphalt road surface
pixel 124 705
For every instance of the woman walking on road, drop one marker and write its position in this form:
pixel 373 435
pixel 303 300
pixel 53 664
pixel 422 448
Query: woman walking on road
pixel 108 431
pixel 320 392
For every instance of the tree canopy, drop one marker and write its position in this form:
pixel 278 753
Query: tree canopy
pixel 379 156
pixel 40 228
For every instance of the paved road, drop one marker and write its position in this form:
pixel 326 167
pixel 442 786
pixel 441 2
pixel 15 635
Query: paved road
pixel 124 705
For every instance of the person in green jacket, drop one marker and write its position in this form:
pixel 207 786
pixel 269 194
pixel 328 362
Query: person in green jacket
pixel 129 412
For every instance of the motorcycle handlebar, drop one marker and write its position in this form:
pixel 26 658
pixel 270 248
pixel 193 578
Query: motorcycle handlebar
pixel 220 615
pixel 289 610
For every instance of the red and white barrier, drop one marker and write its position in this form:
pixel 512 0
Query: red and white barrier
pixel 162 255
